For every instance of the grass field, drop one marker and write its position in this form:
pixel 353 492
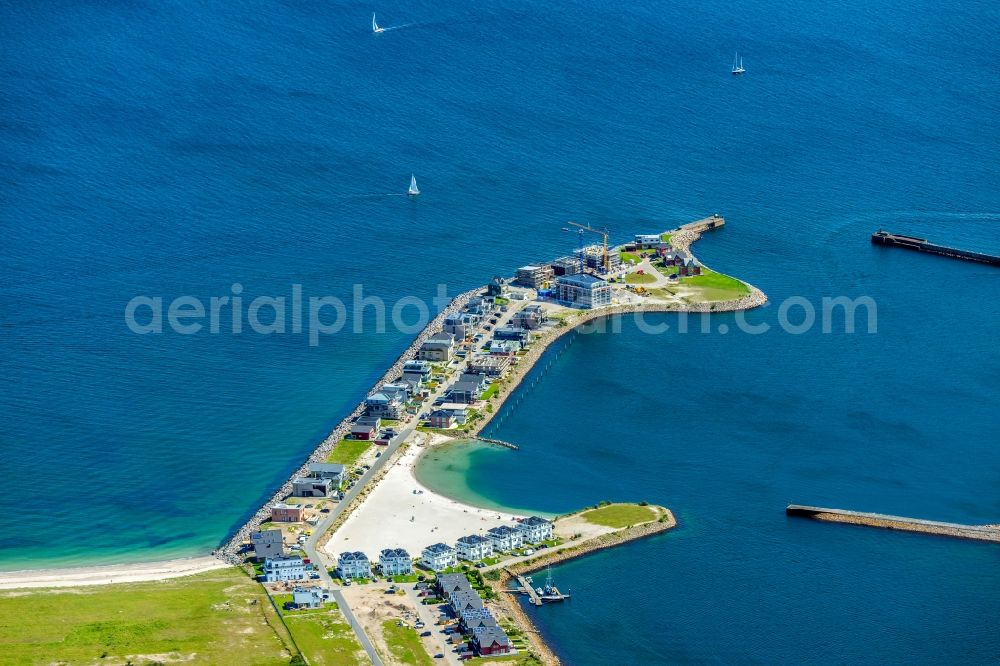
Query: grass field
pixel 490 391
pixel 639 278
pixel 630 256
pixel 326 639
pixel 217 617
pixel 665 237
pixel 714 286
pixel 620 515
pixel 405 645
pixel 347 451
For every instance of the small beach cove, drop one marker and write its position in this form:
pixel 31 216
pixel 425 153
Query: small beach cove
pixel 449 468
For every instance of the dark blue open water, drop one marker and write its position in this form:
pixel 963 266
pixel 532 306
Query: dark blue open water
pixel 166 149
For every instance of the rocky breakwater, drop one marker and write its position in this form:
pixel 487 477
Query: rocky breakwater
pixel 507 605
pixel 231 551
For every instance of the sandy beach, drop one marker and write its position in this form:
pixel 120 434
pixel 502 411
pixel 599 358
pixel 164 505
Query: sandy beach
pixel 105 575
pixel 393 516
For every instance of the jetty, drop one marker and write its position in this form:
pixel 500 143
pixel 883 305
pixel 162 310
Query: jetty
pixel 957 530
pixel 499 442
pixel 526 588
pixel 923 245
pixel 704 224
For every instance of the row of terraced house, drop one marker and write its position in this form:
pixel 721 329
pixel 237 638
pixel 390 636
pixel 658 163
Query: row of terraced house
pixel 475 620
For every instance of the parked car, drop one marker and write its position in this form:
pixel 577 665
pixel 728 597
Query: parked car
pixel 439 655
pixel 425 634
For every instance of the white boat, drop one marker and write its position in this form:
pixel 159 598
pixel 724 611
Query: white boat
pixel 414 190
pixel 375 27
pixel 738 65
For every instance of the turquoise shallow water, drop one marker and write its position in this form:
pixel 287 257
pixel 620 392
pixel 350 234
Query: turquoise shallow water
pixel 727 449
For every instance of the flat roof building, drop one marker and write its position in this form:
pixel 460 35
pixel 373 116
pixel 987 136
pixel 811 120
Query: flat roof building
pixel 307 486
pixel 584 291
pixel 534 276
pixel 284 569
pixel 268 543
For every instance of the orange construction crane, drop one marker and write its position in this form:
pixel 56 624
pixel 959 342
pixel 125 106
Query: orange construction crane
pixel 604 234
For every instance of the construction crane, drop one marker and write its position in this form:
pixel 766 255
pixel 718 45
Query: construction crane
pixel 604 235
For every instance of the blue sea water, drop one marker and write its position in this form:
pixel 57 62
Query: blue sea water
pixel 170 149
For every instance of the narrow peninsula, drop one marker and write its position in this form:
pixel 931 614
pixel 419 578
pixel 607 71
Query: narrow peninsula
pixel 357 561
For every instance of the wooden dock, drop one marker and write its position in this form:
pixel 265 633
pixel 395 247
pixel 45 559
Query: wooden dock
pixel 923 245
pixel 957 530
pixel 526 588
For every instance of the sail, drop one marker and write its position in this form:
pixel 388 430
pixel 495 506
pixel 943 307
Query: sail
pixel 375 27
pixel 413 185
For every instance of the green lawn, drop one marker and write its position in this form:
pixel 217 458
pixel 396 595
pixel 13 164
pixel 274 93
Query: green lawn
pixel 620 515
pixel 630 256
pixel 665 237
pixel 326 639
pixel 217 617
pixel 490 391
pixel 347 451
pixel 405 645
pixel 639 278
pixel 716 286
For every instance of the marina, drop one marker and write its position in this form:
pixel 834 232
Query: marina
pixel 538 595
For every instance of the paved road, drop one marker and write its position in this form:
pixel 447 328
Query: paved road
pixel 309 547
pixel 358 629
pixel 323 560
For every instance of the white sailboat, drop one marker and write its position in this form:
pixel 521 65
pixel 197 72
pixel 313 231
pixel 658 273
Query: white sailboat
pixel 738 65
pixel 414 190
pixel 375 27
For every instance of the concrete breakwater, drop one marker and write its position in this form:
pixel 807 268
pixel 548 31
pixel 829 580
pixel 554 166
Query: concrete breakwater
pixel 923 245
pixel 230 551
pixel 957 530
pixel 509 606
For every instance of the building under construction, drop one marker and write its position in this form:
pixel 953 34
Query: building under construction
pixel 534 276
pixel 566 266
pixel 593 258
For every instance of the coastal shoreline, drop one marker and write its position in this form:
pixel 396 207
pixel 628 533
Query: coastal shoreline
pixel 511 606
pixel 109 574
pixel 229 552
